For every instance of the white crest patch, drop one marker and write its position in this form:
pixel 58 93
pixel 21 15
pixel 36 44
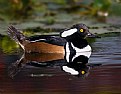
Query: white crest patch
pixel 68 32
pixel 70 70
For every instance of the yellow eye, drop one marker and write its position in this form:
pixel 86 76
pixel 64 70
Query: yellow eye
pixel 83 72
pixel 81 30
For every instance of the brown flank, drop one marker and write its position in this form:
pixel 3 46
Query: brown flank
pixel 43 47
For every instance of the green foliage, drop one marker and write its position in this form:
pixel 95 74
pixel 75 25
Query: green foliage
pixel 103 5
pixel 116 9
pixel 7 45
pixel 48 9
pixel 15 9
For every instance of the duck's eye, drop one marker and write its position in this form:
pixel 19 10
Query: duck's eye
pixel 82 72
pixel 81 30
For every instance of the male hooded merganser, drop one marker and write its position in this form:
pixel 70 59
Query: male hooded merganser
pixel 70 40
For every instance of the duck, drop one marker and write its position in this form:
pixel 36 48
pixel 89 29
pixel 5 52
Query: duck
pixel 70 40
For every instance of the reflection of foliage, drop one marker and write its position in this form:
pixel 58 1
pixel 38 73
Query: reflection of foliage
pixel 91 40
pixel 7 45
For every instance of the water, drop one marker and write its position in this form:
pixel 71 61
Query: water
pixel 101 76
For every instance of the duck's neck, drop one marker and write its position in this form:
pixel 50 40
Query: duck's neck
pixel 77 45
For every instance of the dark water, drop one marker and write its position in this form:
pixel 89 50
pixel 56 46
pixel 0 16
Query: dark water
pixel 103 72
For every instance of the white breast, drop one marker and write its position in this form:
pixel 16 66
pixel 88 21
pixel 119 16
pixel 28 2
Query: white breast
pixel 85 49
pixel 86 54
pixel 67 52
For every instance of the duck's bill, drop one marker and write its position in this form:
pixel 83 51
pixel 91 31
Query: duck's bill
pixel 90 35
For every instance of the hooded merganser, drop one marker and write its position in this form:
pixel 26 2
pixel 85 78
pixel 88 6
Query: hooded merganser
pixel 70 40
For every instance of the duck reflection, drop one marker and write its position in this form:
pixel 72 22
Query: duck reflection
pixel 35 60
pixel 74 64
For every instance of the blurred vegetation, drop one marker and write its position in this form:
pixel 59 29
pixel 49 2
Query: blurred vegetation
pixel 25 9
pixel 15 9
pixel 7 45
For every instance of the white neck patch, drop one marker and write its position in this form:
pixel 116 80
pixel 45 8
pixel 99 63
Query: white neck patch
pixel 87 54
pixel 68 32
pixel 70 70
pixel 85 49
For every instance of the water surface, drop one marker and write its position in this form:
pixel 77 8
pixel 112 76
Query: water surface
pixel 103 72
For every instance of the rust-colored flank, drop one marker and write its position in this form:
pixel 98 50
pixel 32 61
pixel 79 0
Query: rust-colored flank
pixel 43 47
pixel 43 57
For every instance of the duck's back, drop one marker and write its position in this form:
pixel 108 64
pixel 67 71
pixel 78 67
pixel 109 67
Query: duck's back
pixel 45 44
pixel 51 39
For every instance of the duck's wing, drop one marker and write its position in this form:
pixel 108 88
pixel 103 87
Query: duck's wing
pixel 15 34
pixel 51 39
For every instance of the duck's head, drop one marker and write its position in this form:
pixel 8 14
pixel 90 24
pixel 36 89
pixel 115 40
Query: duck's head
pixel 77 30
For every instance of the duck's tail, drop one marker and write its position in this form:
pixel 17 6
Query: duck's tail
pixel 16 35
